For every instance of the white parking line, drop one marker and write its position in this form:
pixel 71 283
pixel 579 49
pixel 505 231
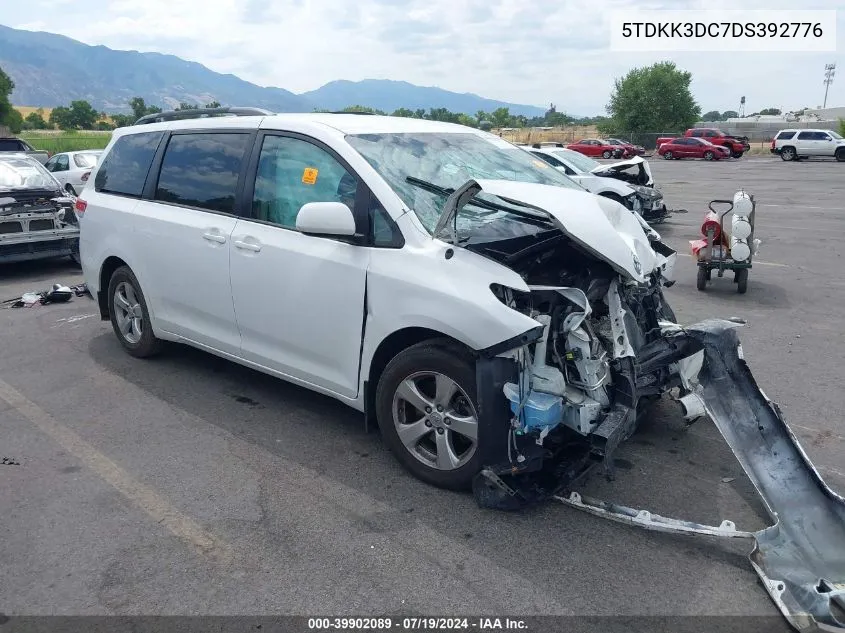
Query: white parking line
pixel 756 261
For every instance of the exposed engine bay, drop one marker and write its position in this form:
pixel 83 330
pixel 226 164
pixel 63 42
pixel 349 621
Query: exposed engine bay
pixel 35 224
pixel 560 398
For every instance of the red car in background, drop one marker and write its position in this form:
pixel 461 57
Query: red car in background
pixel 685 147
pixel 630 149
pixel 596 148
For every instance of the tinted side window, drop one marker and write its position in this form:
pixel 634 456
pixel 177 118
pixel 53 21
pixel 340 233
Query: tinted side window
pixel 11 145
pixel 782 136
pixel 805 136
pixel 822 136
pixel 551 161
pixel 125 168
pixel 697 133
pixel 201 170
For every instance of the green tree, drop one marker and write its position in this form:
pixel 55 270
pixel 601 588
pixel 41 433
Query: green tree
pixel 360 108
pixel 774 111
pixel 713 115
pixel 652 99
pixel 442 114
pixel 729 114
pixel 7 112
pixel 140 108
pixel 187 106
pixel 123 120
pixel 84 116
pixel 213 104
pixel 15 121
pixel 35 121
pixel 842 127
pixel 467 120
pixel 62 118
pixel 501 117
pixel 404 112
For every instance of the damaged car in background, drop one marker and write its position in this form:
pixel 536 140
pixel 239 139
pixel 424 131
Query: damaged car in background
pixel 629 182
pixel 37 219
pixel 506 329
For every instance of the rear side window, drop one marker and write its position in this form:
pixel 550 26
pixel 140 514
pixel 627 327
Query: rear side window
pixel 126 166
pixel 806 136
pixel 201 170
pixel 11 145
pixel 783 136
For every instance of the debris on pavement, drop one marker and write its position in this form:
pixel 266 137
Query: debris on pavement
pixel 59 293
pixel 9 461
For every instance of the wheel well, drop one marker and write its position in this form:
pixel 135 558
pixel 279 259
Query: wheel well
pixel 109 266
pixel 389 348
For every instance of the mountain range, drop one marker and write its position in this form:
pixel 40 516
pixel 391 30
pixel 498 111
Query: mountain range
pixel 50 70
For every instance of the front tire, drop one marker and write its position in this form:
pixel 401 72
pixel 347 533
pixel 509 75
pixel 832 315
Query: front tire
pixel 129 315
pixel 708 155
pixel 426 405
pixel 667 155
pixel 607 154
pixel 840 155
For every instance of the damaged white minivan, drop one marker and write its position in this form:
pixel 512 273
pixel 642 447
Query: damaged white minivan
pixel 505 328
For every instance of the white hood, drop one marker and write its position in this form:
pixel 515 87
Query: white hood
pixel 622 165
pixel 601 225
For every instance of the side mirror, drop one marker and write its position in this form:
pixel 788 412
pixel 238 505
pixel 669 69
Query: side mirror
pixel 325 218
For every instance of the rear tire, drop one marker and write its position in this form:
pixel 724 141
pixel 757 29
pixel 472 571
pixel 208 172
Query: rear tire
pixel 788 153
pixel 667 155
pixel 129 315
pixel 607 154
pixel 701 280
pixel 432 374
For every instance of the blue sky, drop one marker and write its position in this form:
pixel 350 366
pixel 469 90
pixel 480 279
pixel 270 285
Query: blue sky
pixel 533 52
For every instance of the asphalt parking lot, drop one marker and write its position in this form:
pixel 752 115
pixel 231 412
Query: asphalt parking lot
pixel 189 485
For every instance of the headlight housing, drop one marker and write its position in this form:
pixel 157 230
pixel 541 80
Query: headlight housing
pixel 648 193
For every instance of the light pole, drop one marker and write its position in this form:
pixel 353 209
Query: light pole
pixel 829 72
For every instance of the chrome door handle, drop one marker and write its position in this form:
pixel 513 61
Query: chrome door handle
pixel 215 237
pixel 247 246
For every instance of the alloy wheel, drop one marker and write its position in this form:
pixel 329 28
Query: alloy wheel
pixel 435 420
pixel 128 313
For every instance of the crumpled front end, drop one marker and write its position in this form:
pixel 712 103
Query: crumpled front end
pixel 560 404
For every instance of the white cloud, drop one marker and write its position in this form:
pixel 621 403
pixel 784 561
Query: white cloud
pixel 539 52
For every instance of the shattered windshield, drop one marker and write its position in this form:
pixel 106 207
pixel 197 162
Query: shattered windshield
pixel 19 172
pixel 446 161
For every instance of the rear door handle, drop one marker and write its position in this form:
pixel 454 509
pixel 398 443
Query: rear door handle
pixel 215 237
pixel 247 246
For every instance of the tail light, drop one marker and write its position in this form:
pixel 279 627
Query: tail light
pixel 85 176
pixel 773 143
pixel 80 207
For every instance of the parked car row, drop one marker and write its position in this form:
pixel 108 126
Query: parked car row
pixel 606 148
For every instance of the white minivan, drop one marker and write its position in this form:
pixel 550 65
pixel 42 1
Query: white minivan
pixel 476 303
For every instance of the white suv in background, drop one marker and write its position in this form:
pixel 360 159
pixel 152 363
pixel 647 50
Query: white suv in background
pixel 411 269
pixel 798 144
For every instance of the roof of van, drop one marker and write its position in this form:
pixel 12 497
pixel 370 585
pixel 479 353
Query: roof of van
pixel 345 123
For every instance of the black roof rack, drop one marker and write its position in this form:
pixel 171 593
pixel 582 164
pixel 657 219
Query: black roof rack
pixel 351 112
pixel 199 113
